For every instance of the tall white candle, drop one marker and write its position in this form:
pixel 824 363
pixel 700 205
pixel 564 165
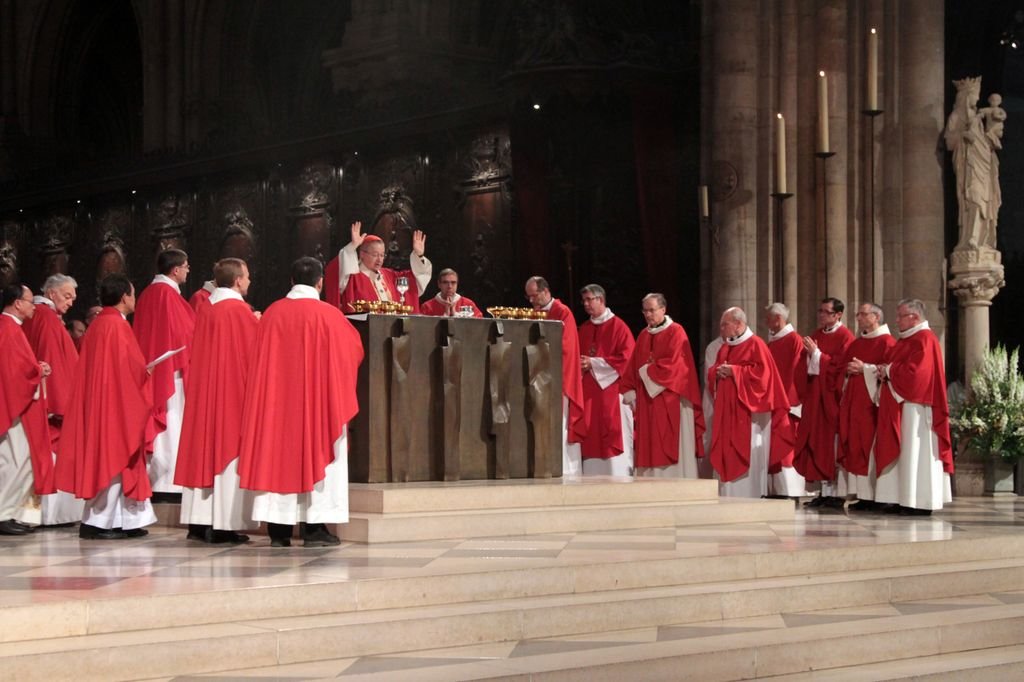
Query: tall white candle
pixel 822 113
pixel 702 201
pixel 780 154
pixel 872 93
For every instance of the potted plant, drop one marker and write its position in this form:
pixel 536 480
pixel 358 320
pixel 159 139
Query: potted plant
pixel 990 420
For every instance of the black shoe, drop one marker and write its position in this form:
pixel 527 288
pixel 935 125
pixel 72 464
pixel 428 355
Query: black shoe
pixel 910 511
pixel 228 536
pixel 12 527
pixel 136 533
pixel 280 534
pixel 199 532
pixel 889 508
pixel 816 502
pixel 24 526
pixel 87 532
pixel 863 506
pixel 835 503
pixel 320 537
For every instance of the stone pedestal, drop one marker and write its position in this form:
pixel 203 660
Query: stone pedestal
pixel 977 277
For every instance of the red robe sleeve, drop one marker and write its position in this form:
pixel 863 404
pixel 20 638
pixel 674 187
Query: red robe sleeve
pixel 20 378
pixel 572 374
pixel 52 344
pixel 163 321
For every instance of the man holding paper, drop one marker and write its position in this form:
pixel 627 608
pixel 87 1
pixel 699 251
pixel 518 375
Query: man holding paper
pixel 165 321
pixel 101 456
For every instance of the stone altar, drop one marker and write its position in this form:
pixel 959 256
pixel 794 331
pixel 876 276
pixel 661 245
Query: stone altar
pixel 447 399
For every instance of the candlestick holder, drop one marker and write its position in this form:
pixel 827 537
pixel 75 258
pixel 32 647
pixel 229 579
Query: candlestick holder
pixel 824 156
pixel 872 114
pixel 779 246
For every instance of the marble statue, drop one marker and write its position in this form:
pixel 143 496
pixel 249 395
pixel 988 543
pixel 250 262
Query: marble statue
pixel 974 137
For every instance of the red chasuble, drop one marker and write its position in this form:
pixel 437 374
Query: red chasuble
pixel 52 344
pixel 20 376
pixel 163 321
pixel 300 394
pixel 656 422
pixel 572 379
pixel 755 387
pixel 200 299
pixel 613 342
pixel 917 373
pixel 438 309
pixel 858 415
pixel 788 353
pixel 105 424
pixel 815 457
pixel 360 288
pixel 211 431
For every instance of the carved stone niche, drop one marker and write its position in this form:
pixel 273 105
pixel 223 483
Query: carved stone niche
pixel 112 225
pixel 170 220
pixel 309 209
pixel 487 167
pixel 10 233
pixel 394 222
pixel 57 231
pixel 239 238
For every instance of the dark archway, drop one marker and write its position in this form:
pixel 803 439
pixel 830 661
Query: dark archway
pixel 98 84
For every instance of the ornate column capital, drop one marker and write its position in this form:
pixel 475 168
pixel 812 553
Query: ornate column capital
pixel 978 275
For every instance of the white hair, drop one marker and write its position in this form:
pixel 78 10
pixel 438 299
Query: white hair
pixel 54 282
pixel 737 314
pixel 779 309
pixel 914 305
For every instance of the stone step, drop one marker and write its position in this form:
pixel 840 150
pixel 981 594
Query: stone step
pixel 249 642
pixel 370 527
pixel 383 498
pixel 974 644
pixel 907 570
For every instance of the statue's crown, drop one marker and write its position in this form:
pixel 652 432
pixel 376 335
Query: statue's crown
pixel 967 82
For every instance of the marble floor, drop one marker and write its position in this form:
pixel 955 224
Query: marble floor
pixel 54 565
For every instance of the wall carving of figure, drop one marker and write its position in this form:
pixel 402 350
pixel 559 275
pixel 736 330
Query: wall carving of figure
pixel 394 222
pixel 57 232
pixel 974 137
pixel 111 260
pixel 8 264
pixel 239 236
pixel 171 218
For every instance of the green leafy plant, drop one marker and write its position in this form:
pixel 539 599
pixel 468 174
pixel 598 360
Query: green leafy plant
pixel 991 418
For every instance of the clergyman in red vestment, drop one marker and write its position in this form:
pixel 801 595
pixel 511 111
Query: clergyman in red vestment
pixel 787 350
pixel 574 424
pixel 300 396
pixel 164 321
pixel 606 345
pixel 213 505
pixel 101 457
pixel 26 464
pixel 449 302
pixel 52 343
pixel 661 383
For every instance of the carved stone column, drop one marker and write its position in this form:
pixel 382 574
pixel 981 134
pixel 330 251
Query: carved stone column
pixel 978 276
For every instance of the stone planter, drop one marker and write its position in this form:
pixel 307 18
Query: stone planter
pixel 999 476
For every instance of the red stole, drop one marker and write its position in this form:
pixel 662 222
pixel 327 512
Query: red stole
pixel 20 376
pixel 572 379
pixel 221 356
pixel 858 414
pixel 815 456
pixel 755 387
pixel 669 361
pixel 163 321
pixel 300 394
pixel 917 374
pixel 105 425
pixel 612 341
pixel 52 344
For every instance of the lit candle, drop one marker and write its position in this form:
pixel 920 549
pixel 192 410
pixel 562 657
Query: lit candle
pixel 872 94
pixel 822 113
pixel 780 154
pixel 702 199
